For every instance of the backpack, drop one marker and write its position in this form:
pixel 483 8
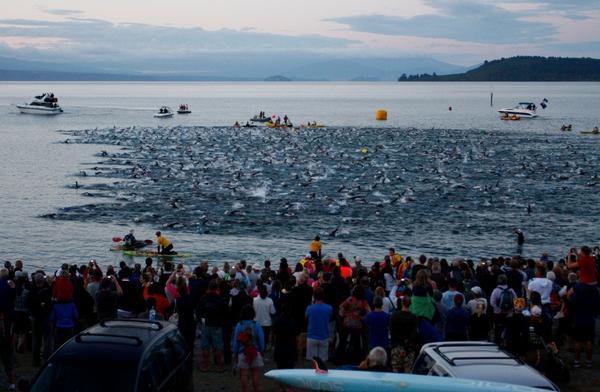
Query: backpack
pixel 505 300
pixel 246 338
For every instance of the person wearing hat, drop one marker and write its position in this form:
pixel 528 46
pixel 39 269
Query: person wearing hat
pixel 479 323
pixel 254 276
pixel 478 301
pixel 130 241
pixel 164 246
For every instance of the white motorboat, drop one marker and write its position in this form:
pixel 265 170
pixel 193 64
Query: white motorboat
pixel 46 103
pixel 164 112
pixel 184 109
pixel 522 110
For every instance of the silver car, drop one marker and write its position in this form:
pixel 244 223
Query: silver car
pixel 479 361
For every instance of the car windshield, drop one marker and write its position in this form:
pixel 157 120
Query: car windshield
pixel 82 377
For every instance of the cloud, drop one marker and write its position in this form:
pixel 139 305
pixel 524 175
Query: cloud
pixel 88 35
pixel 587 49
pixel 63 12
pixel 99 45
pixel 462 20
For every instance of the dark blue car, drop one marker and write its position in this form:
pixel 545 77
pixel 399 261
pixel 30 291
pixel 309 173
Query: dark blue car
pixel 118 356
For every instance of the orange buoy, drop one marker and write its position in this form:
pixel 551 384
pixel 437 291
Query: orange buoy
pixel 381 115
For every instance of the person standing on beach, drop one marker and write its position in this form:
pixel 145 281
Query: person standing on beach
pixel 583 302
pixel 212 309
pixel 585 265
pixel 247 345
pixel 318 315
pixel 40 306
pixel 395 257
pixel 7 309
pixel 315 249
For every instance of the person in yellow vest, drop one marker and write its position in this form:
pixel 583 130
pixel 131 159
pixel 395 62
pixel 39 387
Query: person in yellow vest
pixel 165 246
pixel 315 249
pixel 395 257
pixel 404 266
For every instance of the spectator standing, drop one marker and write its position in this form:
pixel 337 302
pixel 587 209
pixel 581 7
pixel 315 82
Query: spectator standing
pixel 318 316
pixel 265 310
pixel 583 303
pixel 378 323
pixel 403 332
pixel 212 309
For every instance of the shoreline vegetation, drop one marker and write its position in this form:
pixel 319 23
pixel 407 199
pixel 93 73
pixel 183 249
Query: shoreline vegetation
pixel 521 69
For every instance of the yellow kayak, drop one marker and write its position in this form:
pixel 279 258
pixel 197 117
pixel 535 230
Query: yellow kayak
pixel 312 126
pixel 273 125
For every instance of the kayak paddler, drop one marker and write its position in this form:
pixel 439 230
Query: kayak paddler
pixel 165 246
pixel 130 240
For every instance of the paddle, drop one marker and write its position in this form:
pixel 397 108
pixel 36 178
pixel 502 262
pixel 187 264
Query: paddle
pixel 119 239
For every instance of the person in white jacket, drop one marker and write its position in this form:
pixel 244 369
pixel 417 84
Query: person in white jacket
pixel 543 286
pixel 265 310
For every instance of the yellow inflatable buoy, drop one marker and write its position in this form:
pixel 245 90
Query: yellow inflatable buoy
pixel 364 150
pixel 381 115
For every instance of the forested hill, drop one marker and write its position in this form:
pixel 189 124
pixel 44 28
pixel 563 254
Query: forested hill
pixel 522 69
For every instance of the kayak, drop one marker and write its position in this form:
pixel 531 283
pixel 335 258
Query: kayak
pixel 119 248
pixel 272 125
pixel 589 133
pixel 309 126
pixel 148 253
pixel 123 247
pixel 359 381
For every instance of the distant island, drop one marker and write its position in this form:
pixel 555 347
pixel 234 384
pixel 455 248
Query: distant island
pixel 521 69
pixel 277 78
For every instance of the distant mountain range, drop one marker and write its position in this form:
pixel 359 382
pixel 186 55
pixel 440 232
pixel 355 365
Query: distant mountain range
pixel 236 67
pixel 522 69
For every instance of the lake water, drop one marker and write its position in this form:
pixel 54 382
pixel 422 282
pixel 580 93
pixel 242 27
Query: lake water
pixel 435 181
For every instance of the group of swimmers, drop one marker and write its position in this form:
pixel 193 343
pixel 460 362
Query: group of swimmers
pixel 568 128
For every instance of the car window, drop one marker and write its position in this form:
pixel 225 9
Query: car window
pixel 156 366
pixel 164 357
pixel 423 365
pixel 438 371
pixel 179 347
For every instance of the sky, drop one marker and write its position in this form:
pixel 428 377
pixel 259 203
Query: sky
pixel 464 32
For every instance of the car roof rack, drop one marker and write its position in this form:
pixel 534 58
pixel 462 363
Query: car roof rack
pixel 123 323
pixel 472 344
pixel 132 340
pixel 452 361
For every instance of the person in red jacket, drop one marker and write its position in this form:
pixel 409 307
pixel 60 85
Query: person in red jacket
pixel 62 291
pixel 585 266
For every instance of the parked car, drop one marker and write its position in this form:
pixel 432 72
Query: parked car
pixel 121 355
pixel 479 361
